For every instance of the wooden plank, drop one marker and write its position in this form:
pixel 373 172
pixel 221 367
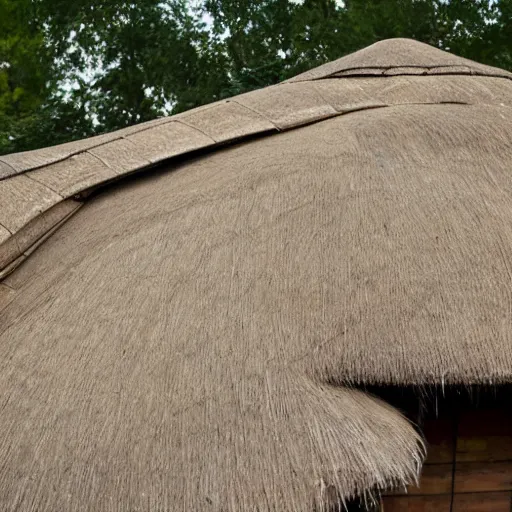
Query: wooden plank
pixel 483 476
pixel 22 199
pixel 434 479
pixel 485 435
pixel 288 105
pixel 168 140
pixel 482 502
pixel 74 175
pixel 439 437
pixel 227 121
pixel 416 503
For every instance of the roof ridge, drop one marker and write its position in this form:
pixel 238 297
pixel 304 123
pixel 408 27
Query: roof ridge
pixel 60 177
pixel 398 53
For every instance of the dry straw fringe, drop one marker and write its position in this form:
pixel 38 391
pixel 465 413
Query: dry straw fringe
pixel 191 341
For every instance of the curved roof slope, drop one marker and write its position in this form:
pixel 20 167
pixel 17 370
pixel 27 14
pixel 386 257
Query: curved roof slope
pixel 37 188
pixel 185 341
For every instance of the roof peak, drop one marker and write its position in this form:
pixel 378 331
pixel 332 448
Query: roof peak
pixel 399 56
pixel 38 189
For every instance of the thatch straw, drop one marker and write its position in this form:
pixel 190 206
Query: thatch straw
pixel 400 56
pixel 184 342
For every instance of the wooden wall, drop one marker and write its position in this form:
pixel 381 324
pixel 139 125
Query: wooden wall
pixel 468 467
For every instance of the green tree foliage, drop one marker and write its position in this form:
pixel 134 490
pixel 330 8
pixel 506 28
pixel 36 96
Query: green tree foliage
pixel 141 57
pixel 69 69
pixel 33 111
pixel 22 79
pixel 271 40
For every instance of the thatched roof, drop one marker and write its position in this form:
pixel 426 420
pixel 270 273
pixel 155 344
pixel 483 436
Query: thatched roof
pixel 400 57
pixel 190 338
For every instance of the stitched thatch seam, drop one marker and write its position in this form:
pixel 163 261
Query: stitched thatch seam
pixel 359 72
